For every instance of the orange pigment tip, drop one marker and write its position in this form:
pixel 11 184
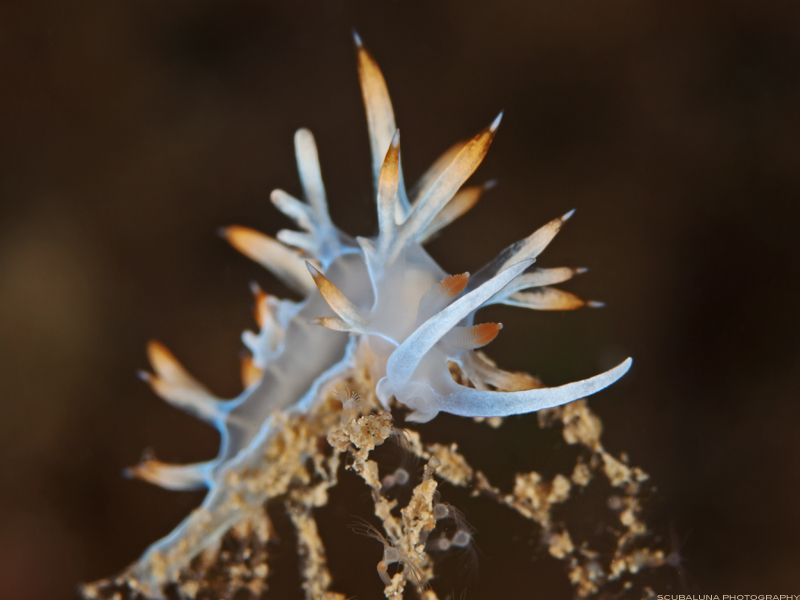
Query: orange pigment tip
pixel 250 372
pixel 484 333
pixel 455 284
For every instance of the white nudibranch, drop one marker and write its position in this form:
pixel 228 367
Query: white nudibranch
pixel 385 293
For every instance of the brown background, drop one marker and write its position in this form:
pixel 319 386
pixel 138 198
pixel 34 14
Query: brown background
pixel 129 131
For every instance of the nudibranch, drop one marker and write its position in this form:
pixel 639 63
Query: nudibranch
pixel 379 299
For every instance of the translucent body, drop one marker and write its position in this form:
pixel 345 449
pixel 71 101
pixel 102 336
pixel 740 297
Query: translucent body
pixel 386 292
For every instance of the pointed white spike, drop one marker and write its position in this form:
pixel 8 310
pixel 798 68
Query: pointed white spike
pixel 464 200
pixel 540 277
pixel 174 384
pixel 283 262
pixel 380 120
pixel 534 244
pixel 168 368
pixel 200 404
pixel 310 175
pixel 537 278
pixel 388 182
pixel 434 171
pixel 469 402
pixel 445 187
pixel 380 115
pixel 404 361
pixel 338 302
pixel 547 298
pixel 496 123
pixel 293 208
pixel 529 248
pixel 172 477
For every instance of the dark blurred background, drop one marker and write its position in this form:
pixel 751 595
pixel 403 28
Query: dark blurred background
pixel 129 131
